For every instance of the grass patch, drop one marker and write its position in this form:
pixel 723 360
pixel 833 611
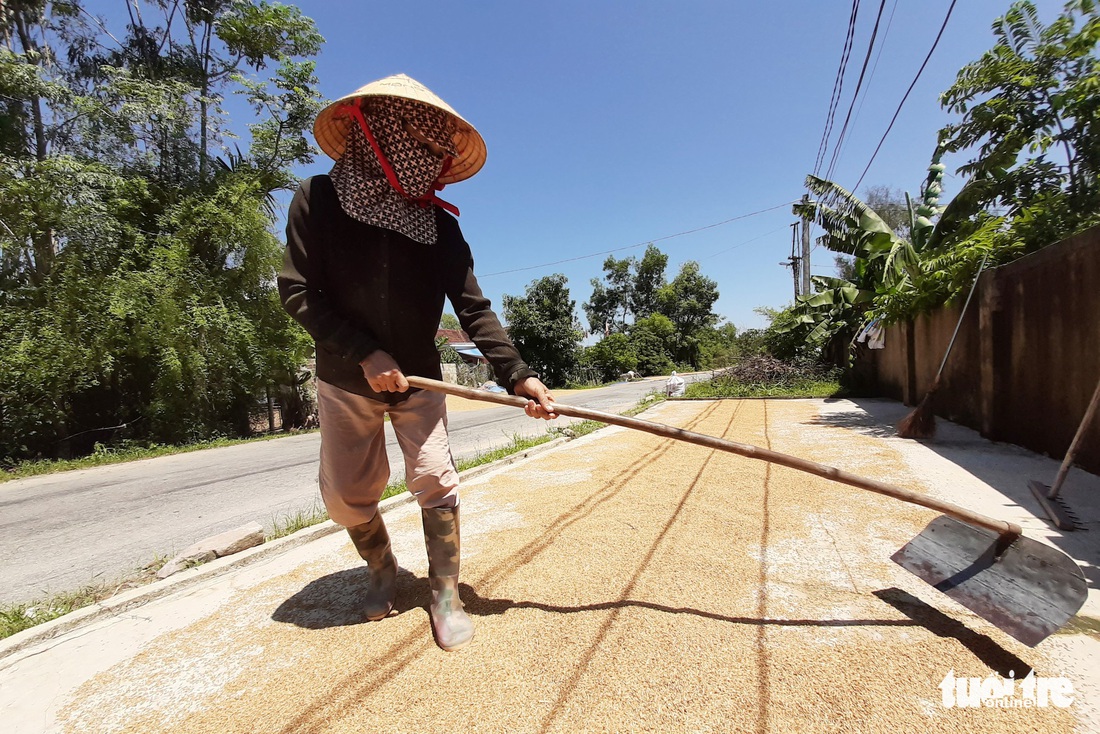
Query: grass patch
pixel 644 404
pixel 762 376
pixel 393 489
pixel 291 523
pixel 797 389
pixel 15 618
pixel 583 428
pixel 104 455
pixel 517 445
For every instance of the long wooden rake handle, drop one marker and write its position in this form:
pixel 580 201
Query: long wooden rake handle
pixel 1009 531
pixel 1071 453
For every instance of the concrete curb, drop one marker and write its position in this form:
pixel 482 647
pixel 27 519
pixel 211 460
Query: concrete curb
pixel 778 397
pixel 134 598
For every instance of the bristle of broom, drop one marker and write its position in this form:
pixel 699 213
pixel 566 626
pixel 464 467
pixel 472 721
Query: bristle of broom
pixel 921 423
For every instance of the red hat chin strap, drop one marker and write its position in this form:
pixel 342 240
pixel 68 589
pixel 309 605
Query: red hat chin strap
pixel 426 199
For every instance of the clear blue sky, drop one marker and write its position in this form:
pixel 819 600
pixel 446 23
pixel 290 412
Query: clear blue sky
pixel 615 123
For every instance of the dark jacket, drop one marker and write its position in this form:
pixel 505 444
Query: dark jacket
pixel 357 288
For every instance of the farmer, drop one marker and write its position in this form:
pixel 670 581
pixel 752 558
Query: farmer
pixel 371 253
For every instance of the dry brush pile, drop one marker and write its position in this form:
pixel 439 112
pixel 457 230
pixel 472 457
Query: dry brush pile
pixel 762 375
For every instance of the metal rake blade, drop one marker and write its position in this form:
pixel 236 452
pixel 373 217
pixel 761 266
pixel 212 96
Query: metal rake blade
pixel 1028 589
pixel 1055 507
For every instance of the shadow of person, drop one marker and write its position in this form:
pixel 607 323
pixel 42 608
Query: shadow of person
pixel 337 600
pixel 484 606
pixel 938 623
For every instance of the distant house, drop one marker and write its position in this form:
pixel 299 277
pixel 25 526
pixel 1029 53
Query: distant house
pixel 463 344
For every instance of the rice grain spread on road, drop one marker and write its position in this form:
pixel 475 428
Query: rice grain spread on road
pixel 623 582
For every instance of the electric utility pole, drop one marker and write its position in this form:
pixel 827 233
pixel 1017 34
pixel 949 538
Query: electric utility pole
pixel 794 260
pixel 806 244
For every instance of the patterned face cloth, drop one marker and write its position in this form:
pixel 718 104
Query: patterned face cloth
pixel 361 184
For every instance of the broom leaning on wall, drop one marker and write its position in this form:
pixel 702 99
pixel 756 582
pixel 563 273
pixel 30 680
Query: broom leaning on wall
pixel 921 423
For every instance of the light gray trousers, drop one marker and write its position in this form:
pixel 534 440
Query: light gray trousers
pixel 354 466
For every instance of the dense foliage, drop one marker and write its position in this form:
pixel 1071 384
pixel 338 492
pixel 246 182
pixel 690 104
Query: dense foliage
pixel 1028 117
pixel 652 325
pixel 138 259
pixel 630 289
pixel 543 327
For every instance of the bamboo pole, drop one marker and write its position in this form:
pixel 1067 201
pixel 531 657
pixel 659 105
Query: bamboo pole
pixel 1001 527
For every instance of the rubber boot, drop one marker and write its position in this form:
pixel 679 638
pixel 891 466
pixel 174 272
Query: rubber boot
pixel 373 543
pixel 452 627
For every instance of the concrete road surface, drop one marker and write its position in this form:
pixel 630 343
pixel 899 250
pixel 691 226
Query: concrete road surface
pixel 62 531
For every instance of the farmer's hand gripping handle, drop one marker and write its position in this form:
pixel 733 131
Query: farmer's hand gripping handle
pixel 1008 531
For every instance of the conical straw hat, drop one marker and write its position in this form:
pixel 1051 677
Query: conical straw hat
pixel 332 125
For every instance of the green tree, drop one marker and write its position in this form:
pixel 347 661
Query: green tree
pixel 891 206
pixel 609 305
pixel 544 328
pixel 718 346
pixel 784 338
pixel 834 311
pixel 137 279
pixel 629 290
pixel 649 279
pixel 449 321
pixel 611 356
pixel 751 342
pixel 1029 108
pixel 905 275
pixel 851 227
pixel 688 302
pixel 653 340
pixel 447 353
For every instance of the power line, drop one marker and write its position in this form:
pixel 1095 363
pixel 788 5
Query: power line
pixel 878 57
pixel 641 244
pixel 910 89
pixel 838 86
pixel 855 95
pixel 739 244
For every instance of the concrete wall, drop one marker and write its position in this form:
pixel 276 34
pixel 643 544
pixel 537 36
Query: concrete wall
pixel 1027 358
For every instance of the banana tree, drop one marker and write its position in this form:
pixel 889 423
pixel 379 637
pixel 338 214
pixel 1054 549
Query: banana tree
pixel 836 306
pixel 884 262
pixel 911 272
pixel 883 259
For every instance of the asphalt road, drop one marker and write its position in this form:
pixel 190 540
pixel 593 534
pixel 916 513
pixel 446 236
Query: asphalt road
pixel 61 531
